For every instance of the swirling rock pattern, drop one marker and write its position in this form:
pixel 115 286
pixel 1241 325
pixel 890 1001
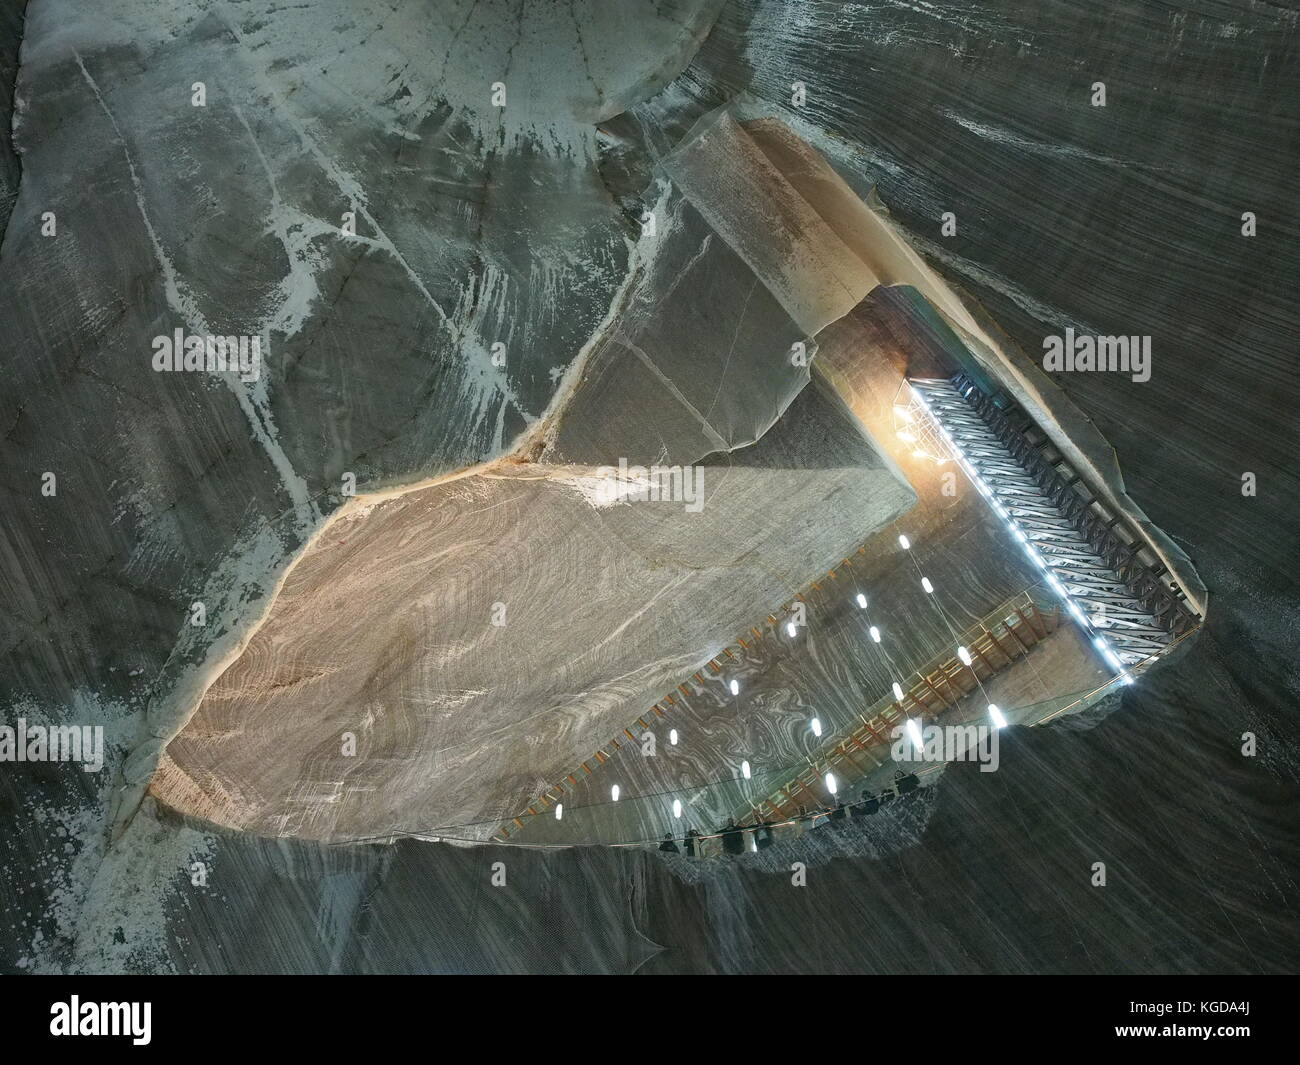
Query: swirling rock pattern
pixel 456 719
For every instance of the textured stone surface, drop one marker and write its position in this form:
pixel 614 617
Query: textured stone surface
pixel 1119 220
pixel 11 30
pixel 460 722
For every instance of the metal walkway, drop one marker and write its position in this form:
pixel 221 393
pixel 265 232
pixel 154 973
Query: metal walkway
pixel 1093 560
pixel 996 643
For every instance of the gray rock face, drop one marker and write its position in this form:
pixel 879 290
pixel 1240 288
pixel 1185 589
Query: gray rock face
pixel 11 32
pixel 654 390
pixel 350 193
pixel 355 215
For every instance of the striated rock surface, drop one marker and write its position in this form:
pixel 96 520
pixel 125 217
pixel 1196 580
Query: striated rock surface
pixel 527 226
pixel 481 638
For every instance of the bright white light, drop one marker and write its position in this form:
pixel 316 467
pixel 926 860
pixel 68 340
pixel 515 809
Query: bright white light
pixel 1107 653
pixel 559 811
pixel 613 793
pixel 1127 678
pixel 1019 535
pixel 914 734
pixel 998 720
pixel 1037 558
pixel 677 807
pixel 672 737
pixel 904 543
pixel 875 633
pixel 903 434
pixel 791 630
pixel 919 454
pixel 1079 615
pixel 964 655
pixel 831 784
pixel 744 769
pixel 898 691
pixel 925 583
pixel 862 601
pixel 904 414
pixel 816 727
pixel 735 687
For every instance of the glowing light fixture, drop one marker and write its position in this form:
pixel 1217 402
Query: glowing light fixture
pixel 925 583
pixel 999 721
pixel 831 784
pixel 898 691
pixel 862 601
pixel 1107 653
pixel 677 807
pixel 1045 563
pixel 735 687
pixel 559 811
pixel 875 633
pixel 672 737
pixel 816 726
pixel 745 771
pixel 614 792
pixel 904 543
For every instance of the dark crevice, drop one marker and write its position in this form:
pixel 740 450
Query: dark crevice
pixel 12 23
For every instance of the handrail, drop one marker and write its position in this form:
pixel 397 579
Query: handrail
pixel 834 745
pixel 439 835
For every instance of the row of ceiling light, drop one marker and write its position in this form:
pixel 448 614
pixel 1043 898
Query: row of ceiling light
pixel 913 727
pixel 1099 642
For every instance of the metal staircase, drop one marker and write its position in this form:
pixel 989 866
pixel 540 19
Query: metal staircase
pixel 1105 571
